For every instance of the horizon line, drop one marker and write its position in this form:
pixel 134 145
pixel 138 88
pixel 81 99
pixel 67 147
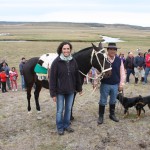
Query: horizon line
pixel 75 23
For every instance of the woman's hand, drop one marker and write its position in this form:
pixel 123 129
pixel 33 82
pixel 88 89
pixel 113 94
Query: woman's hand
pixel 54 99
pixel 81 93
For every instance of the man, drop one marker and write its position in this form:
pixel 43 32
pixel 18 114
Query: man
pixel 23 60
pixel 111 85
pixel 147 63
pixel 129 65
pixel 139 64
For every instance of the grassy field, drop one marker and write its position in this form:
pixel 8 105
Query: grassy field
pixel 43 38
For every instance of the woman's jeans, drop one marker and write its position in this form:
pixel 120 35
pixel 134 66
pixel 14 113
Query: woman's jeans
pixel 147 70
pixel 108 90
pixel 64 103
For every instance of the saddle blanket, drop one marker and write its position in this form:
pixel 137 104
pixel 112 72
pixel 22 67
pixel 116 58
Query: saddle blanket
pixel 44 63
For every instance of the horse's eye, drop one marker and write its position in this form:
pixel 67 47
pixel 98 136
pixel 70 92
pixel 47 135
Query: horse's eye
pixel 103 51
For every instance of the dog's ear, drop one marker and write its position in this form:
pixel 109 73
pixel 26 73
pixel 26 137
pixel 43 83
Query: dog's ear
pixel 140 98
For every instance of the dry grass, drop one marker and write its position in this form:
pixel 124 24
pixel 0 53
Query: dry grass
pixel 20 130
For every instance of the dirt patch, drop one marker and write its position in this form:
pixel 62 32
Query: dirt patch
pixel 22 131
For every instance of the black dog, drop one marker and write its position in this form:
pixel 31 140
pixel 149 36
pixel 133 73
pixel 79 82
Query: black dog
pixel 128 102
pixel 140 105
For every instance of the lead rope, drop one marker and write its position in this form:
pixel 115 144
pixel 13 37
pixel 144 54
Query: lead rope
pixel 120 99
pixel 88 99
pixel 99 76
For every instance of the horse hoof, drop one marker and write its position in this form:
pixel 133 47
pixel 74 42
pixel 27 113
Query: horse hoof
pixel 39 117
pixel 39 112
pixel 29 112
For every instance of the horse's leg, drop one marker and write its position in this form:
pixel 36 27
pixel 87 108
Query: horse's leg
pixel 29 97
pixel 126 112
pixel 71 117
pixel 38 87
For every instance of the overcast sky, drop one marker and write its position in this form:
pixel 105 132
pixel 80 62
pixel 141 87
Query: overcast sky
pixel 134 12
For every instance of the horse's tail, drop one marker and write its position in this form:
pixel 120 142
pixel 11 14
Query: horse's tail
pixel 28 71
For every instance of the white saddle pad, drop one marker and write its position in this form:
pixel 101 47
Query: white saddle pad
pixel 48 59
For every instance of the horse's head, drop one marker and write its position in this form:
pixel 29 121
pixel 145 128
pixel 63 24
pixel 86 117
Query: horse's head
pixel 100 61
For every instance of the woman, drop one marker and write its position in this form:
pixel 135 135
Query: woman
pixel 64 82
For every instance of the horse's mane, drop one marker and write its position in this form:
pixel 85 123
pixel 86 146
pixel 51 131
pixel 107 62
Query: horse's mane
pixel 81 51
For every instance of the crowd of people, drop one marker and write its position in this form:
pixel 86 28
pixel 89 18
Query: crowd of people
pixel 138 65
pixel 9 76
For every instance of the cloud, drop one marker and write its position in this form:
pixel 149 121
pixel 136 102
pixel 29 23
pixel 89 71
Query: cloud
pixel 98 11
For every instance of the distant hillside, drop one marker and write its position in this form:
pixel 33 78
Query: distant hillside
pixel 75 24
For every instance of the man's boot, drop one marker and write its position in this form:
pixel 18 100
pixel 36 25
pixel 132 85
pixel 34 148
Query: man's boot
pixel 101 114
pixel 136 80
pixel 112 113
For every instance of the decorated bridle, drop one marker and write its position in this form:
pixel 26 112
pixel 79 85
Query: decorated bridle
pixel 100 76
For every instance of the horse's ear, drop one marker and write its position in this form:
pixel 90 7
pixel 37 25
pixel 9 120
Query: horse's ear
pixel 100 46
pixel 95 48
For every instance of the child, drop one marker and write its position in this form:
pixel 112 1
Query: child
pixel 3 78
pixel 94 76
pixel 13 78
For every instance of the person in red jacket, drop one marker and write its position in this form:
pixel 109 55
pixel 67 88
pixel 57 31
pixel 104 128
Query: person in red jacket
pixel 147 68
pixel 13 78
pixel 3 78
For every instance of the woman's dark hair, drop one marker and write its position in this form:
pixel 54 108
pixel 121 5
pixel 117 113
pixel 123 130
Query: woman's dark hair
pixel 59 49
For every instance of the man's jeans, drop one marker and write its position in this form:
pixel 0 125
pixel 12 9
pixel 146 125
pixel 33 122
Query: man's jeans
pixel 22 82
pixel 147 70
pixel 8 83
pixel 105 91
pixel 129 71
pixel 63 119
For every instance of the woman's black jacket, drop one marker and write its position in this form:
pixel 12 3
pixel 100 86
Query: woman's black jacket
pixel 64 77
